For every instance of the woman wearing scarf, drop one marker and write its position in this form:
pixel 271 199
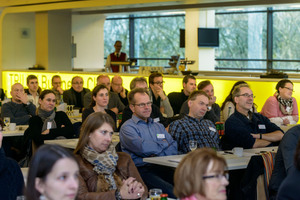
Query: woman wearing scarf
pixel 105 173
pixel 48 124
pixel 282 108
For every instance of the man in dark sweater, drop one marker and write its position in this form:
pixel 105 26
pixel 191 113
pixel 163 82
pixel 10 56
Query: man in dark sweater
pixel 178 98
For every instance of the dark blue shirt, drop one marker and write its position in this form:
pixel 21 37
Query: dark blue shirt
pixel 238 129
pixel 189 128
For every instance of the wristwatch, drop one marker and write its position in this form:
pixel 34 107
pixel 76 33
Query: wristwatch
pixel 28 103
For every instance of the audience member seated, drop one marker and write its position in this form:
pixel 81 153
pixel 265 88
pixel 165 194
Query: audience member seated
pixel 33 90
pixel 74 96
pixel 290 187
pixel 105 173
pixel 228 106
pixel 201 176
pixel 53 174
pixel 245 128
pixel 178 98
pixel 141 137
pixel 117 87
pixel 281 108
pixel 2 94
pixel 213 113
pixel 48 124
pixel 20 109
pixel 11 177
pixel 99 103
pixel 193 126
pixel 56 88
pixel 157 94
pixel 284 160
pixel 114 104
pixel 141 82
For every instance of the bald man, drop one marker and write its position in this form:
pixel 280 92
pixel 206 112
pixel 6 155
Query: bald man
pixel 117 87
pixel 20 109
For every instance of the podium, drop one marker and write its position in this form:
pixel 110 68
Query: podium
pixel 122 65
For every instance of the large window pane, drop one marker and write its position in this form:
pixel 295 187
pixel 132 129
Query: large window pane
pixel 242 36
pixel 158 37
pixel 286 37
pixel 116 30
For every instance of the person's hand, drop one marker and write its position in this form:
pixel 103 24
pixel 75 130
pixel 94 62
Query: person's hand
pixel 1 138
pixel 131 189
pixel 22 97
pixel 212 100
pixel 60 90
pixel 256 136
pixel 122 93
pixel 285 121
pixel 295 118
pixel 161 93
pixel 46 132
pixel 115 110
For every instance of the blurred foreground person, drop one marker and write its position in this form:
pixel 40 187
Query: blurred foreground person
pixel 53 174
pixel 200 176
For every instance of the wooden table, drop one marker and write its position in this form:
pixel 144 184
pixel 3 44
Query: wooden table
pixel 232 160
pixel 72 143
pixel 20 129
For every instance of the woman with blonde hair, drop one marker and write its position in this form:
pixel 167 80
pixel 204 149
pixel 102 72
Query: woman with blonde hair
pixel 105 173
pixel 201 176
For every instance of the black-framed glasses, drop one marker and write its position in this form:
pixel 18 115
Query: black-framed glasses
pixel 247 95
pixel 217 176
pixel 159 83
pixel 290 89
pixel 142 105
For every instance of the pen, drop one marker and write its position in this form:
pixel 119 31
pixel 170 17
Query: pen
pixel 228 152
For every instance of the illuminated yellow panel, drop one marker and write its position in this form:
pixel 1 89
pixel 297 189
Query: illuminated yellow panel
pixel 262 88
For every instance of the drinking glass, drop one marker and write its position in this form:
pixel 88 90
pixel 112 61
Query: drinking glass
pixel 154 194
pixel 6 121
pixel 193 145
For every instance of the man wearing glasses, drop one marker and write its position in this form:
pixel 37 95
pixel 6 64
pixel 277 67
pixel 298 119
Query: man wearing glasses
pixel 141 137
pixel 158 96
pixel 247 129
pixel 74 96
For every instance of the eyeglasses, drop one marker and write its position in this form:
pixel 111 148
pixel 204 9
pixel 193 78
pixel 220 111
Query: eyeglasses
pixel 247 95
pixel 217 176
pixel 159 83
pixel 142 105
pixel 290 89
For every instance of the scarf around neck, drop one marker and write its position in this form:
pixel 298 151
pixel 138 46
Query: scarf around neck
pixel 104 163
pixel 285 105
pixel 47 117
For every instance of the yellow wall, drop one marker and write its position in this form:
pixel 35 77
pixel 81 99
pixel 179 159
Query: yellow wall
pixel 262 88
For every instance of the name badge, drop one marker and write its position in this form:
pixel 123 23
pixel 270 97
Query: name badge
pixel 160 136
pixel 212 129
pixel 156 119
pixel 261 126
pixel 49 125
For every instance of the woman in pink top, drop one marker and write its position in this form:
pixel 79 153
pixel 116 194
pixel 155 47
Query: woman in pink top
pixel 281 108
pixel 201 176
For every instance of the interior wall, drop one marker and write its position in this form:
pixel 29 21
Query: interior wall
pixel 18 42
pixel 88 33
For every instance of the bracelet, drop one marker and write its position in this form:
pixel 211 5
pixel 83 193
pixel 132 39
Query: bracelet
pixel 260 136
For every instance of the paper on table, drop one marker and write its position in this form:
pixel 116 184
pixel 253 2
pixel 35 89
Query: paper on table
pixel 177 160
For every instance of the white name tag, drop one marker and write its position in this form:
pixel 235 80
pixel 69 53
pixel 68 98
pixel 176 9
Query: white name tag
pixel 261 126
pixel 160 136
pixel 156 119
pixel 212 129
pixel 49 125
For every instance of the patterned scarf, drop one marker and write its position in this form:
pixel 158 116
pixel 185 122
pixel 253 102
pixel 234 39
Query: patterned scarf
pixel 285 105
pixel 47 117
pixel 104 163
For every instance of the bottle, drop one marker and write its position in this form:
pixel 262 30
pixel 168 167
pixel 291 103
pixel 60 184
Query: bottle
pixel 164 197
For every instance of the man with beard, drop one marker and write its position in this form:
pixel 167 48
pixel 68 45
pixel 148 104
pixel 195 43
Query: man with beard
pixel 247 129
pixel 141 137
pixel 193 126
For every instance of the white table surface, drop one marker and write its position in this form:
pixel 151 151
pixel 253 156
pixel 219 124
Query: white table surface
pixel 233 161
pixel 72 143
pixel 20 129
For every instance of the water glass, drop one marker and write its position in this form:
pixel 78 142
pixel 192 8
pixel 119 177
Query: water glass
pixel 193 145
pixel 154 194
